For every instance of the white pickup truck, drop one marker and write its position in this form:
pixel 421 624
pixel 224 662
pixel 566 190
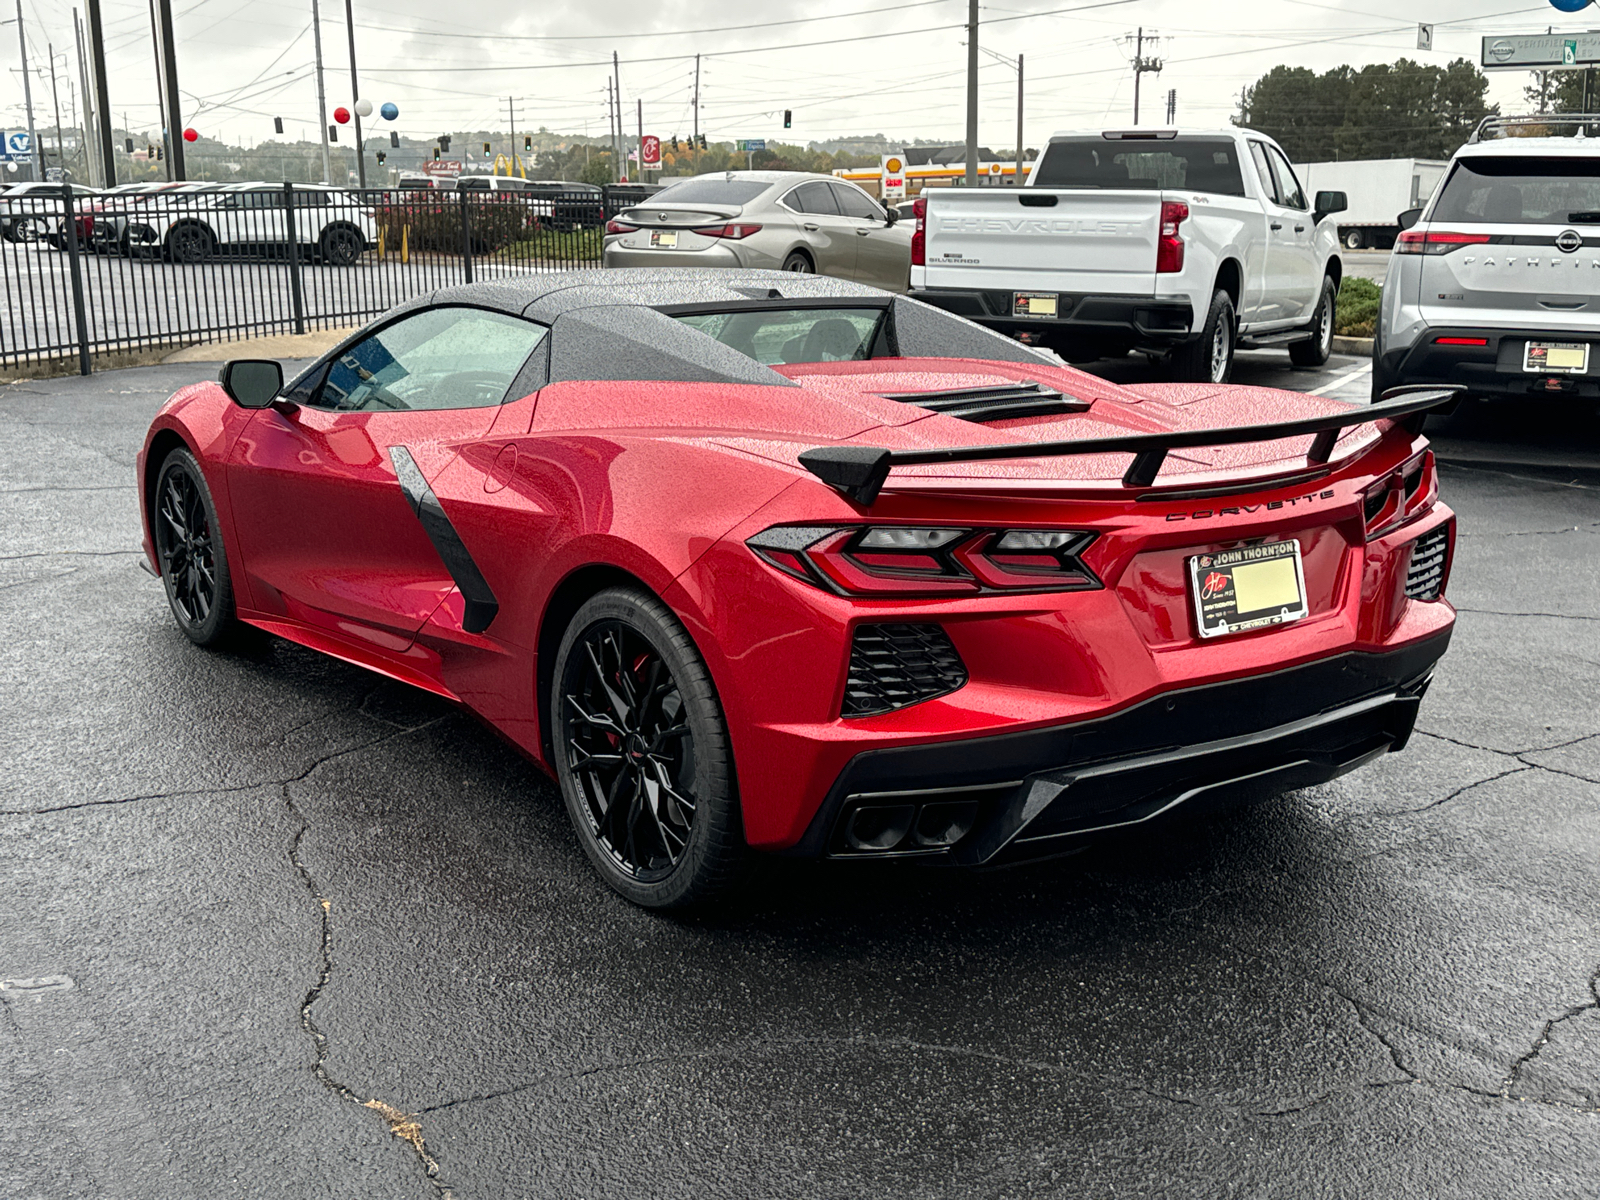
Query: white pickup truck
pixel 1180 245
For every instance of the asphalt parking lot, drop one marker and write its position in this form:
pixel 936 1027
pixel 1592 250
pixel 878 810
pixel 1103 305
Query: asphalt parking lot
pixel 275 927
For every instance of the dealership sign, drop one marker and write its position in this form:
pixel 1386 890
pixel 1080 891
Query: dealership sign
pixel 1541 51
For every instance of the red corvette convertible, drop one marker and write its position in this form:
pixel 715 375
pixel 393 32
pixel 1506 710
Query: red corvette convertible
pixel 755 561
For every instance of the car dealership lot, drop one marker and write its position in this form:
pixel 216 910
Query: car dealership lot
pixel 251 893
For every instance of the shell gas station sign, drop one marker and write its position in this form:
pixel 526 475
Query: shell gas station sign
pixel 894 177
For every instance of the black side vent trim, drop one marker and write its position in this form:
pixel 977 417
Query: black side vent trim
pixel 480 606
pixel 1425 575
pixel 895 665
pixel 1000 402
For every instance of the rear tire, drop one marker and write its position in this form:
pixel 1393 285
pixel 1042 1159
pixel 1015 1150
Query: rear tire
pixel 1314 351
pixel 190 244
pixel 799 263
pixel 1353 239
pixel 194 562
pixel 341 246
pixel 1209 357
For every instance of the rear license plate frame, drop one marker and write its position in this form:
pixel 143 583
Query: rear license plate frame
pixel 665 239
pixel 1540 358
pixel 1036 306
pixel 1214 587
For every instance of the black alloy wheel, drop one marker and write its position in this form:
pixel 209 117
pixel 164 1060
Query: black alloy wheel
pixel 190 244
pixel 642 753
pixel 194 566
pixel 341 246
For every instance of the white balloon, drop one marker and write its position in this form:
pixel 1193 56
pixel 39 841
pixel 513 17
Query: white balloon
pixel 363 108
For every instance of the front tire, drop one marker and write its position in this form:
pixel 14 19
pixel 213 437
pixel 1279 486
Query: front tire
pixel 190 244
pixel 1314 351
pixel 1209 357
pixel 194 562
pixel 341 246
pixel 1353 239
pixel 642 753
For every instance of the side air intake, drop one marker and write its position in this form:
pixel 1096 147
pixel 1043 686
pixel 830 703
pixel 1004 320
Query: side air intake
pixel 892 666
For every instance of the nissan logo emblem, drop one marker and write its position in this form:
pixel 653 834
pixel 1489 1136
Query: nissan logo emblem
pixel 1502 51
pixel 1569 241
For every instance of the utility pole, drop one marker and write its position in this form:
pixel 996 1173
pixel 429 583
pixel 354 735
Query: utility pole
pixel 1141 64
pixel 1172 106
pixel 611 127
pixel 167 56
pixel 102 96
pixel 696 102
pixel 972 93
pixel 322 95
pixel 639 100
pixel 1018 181
pixel 91 141
pixel 511 101
pixel 55 102
pixel 27 97
pixel 355 97
pixel 616 72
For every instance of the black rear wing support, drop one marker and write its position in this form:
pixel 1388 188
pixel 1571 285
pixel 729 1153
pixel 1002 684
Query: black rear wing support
pixel 859 472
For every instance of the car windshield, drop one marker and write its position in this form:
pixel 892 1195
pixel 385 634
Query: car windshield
pixel 711 191
pixel 775 336
pixel 1196 164
pixel 1513 190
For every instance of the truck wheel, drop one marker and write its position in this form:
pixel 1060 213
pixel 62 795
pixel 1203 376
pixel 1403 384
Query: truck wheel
pixel 1209 357
pixel 1353 239
pixel 1314 351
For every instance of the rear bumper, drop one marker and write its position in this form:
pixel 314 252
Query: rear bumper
pixel 1032 793
pixel 615 255
pixel 1125 322
pixel 1493 371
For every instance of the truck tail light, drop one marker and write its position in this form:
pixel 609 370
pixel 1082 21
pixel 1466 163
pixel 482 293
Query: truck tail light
pixel 1169 247
pixel 1436 241
pixel 904 560
pixel 732 232
pixel 919 236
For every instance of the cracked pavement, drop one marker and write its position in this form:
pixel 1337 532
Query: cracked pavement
pixel 325 936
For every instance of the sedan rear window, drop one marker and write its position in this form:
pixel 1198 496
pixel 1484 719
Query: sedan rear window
pixel 711 191
pixel 1521 191
pixel 1195 164
pixel 775 336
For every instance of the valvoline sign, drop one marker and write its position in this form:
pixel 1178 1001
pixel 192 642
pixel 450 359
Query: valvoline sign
pixel 17 146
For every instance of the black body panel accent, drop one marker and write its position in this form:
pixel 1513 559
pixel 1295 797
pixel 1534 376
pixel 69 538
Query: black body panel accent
pixel 481 607
pixel 1235 740
pixel 1491 372
pixel 1106 322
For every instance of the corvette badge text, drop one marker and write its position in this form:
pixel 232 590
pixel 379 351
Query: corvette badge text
pixel 1243 509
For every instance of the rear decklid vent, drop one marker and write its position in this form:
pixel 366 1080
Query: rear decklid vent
pixel 1425 574
pixel 1002 402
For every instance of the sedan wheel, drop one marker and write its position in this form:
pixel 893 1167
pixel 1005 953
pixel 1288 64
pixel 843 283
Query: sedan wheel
pixel 799 264
pixel 342 246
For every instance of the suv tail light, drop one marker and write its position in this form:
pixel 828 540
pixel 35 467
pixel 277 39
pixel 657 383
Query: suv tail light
pixel 906 560
pixel 732 232
pixel 919 236
pixel 1169 247
pixel 615 226
pixel 1400 495
pixel 1436 241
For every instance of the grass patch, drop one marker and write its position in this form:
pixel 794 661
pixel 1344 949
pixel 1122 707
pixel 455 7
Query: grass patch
pixel 1357 314
pixel 575 246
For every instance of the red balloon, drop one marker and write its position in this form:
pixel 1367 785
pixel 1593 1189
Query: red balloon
pixel 191 135
pixel 342 115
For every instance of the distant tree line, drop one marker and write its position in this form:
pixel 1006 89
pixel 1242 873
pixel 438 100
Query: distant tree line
pixel 1387 110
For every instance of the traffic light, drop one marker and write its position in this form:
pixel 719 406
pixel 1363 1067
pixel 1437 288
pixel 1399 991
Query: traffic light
pixel 436 153
pixel 674 142
pixel 161 153
pixel 381 157
pixel 486 149
pixel 702 141
pixel 444 141
pixel 527 143
pixel 788 118
pixel 394 140
pixel 333 133
pixel 277 124
pixel 128 145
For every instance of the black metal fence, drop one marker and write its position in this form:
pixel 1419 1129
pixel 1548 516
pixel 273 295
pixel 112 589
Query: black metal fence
pixel 90 273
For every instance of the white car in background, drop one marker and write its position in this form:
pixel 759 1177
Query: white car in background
pixel 334 224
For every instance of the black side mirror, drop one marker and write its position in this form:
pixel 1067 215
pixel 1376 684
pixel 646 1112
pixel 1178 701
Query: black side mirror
pixel 891 214
pixel 251 382
pixel 1409 218
pixel 1329 203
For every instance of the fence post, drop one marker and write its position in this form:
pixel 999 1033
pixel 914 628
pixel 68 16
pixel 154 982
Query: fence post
pixel 70 225
pixel 466 239
pixel 294 258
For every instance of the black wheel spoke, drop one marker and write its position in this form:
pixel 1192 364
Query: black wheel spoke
pixel 184 545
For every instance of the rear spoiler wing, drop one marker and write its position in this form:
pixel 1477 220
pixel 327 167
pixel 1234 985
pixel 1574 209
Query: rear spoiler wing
pixel 859 472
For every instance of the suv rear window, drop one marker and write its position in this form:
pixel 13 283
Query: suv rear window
pixel 712 191
pixel 1197 164
pixel 1521 191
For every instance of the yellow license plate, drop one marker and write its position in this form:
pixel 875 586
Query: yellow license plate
pixel 1033 304
pixel 1249 588
pixel 1557 358
pixel 665 238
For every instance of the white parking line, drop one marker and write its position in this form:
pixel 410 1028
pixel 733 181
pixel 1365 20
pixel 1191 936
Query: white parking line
pixel 1354 375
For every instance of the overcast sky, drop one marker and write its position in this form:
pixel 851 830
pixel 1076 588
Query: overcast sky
pixel 242 62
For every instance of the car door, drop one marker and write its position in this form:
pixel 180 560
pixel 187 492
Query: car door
pixel 1266 263
pixel 328 536
pixel 828 233
pixel 883 251
pixel 1300 270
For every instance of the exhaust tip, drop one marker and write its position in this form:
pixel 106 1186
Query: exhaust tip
pixel 879 826
pixel 945 823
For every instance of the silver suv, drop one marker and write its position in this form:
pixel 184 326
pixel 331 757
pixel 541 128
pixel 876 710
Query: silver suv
pixel 1495 284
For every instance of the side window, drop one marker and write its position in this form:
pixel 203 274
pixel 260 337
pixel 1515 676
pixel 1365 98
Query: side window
pixel 1269 186
pixel 439 358
pixel 817 198
pixel 793 200
pixel 1288 185
pixel 854 203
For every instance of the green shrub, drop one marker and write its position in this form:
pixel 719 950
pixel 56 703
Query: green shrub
pixel 434 221
pixel 1357 314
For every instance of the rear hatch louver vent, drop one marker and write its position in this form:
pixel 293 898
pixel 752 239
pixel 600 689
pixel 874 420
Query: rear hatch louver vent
pixel 1003 402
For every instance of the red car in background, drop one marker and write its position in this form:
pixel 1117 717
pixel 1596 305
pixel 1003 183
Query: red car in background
pixel 761 562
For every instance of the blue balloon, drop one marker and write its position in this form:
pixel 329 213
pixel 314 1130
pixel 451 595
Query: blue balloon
pixel 390 111
pixel 1571 5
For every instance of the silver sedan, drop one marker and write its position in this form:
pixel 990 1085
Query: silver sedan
pixel 777 220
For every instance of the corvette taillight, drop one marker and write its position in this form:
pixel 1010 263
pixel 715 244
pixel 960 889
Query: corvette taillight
pixel 615 226
pixel 733 232
pixel 907 560
pixel 919 236
pixel 1400 495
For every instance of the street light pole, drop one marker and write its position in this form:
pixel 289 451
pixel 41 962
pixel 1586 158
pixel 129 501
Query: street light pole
pixel 27 97
pixel 972 93
pixel 355 98
pixel 322 95
pixel 102 94
pixel 1019 122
